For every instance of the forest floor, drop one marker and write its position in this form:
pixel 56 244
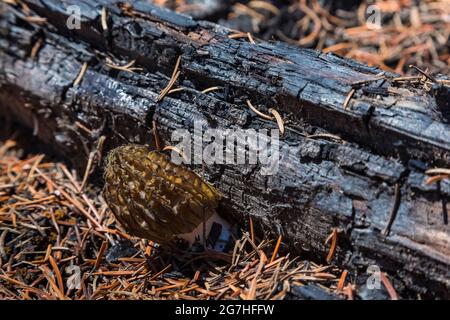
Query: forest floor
pixel 59 240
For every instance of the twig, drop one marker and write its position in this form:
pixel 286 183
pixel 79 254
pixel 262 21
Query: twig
pixel 259 113
pixel 324 135
pixel 437 178
pixel 341 283
pixel 333 238
pixel 433 79
pixel 394 210
pixel 52 283
pixel 156 135
pixel 36 47
pixel 210 89
pixel 104 19
pixel 375 78
pixel 250 38
pixel 176 90
pixel 348 98
pixel 252 291
pixel 177 66
pixel 438 171
pixel 408 78
pixel 275 251
pixel 80 74
pixel 102 250
pixel 246 35
pixel 83 127
pixel 279 120
pixel 36 19
pixel 252 232
pixel 87 171
pixel 57 273
pixel 389 287
pixel 127 67
pixel 173 79
pixel 168 87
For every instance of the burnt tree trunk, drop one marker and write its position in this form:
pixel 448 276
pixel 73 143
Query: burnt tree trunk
pixel 390 132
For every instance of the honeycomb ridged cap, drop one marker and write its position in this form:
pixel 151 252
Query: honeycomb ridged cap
pixel 154 198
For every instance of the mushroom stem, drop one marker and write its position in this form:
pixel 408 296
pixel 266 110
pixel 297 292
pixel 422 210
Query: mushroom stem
pixel 217 232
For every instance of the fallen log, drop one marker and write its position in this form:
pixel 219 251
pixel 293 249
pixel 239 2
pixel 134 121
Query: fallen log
pixel 304 83
pixel 350 163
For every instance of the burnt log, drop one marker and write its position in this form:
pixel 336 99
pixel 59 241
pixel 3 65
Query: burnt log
pixel 369 184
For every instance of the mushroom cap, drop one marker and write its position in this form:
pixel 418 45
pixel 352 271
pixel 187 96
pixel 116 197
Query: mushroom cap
pixel 154 198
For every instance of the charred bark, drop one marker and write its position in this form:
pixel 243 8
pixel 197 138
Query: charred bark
pixel 369 185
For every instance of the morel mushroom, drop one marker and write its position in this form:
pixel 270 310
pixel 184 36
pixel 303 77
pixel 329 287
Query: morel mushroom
pixel 156 199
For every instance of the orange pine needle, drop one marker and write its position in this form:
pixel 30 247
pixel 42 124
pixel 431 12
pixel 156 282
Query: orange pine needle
pixel 102 250
pixel 252 233
pixel 275 251
pixel 340 285
pixel 333 245
pixel 57 273
pixel 388 285
pixel 437 178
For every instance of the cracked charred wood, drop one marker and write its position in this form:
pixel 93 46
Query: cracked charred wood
pixel 369 184
pixel 304 84
pixel 203 9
